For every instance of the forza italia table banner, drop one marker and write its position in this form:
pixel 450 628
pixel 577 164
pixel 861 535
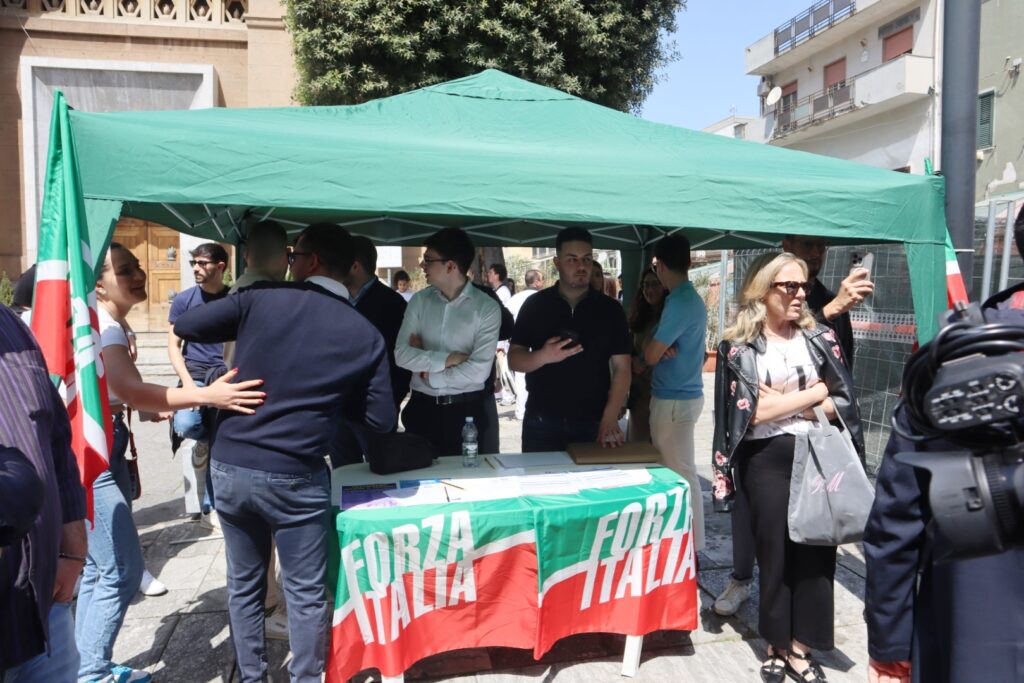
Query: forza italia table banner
pixel 521 572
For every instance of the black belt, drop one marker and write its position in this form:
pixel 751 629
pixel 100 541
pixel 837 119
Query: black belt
pixel 450 399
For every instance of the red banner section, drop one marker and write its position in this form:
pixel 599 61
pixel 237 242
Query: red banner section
pixel 646 589
pixel 493 602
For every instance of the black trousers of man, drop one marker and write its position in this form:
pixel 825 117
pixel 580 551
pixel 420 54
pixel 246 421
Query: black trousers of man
pixel 441 422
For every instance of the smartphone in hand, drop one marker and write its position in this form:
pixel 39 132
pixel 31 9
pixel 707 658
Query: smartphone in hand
pixel 861 259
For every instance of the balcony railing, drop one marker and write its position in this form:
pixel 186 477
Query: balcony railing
pixel 822 105
pixel 191 12
pixel 821 16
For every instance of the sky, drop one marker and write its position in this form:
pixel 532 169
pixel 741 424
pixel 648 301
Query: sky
pixel 709 78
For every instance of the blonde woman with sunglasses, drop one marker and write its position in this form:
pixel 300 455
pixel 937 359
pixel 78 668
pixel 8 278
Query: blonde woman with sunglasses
pixel 775 365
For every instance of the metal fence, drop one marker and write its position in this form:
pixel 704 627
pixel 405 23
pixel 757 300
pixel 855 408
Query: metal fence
pixel 883 333
pixel 804 26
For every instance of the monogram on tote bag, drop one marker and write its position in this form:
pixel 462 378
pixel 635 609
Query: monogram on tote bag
pixel 830 496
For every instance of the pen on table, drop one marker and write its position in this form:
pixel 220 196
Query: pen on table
pixel 454 486
pixel 490 463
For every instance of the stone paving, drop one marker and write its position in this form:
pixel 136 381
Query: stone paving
pixel 183 636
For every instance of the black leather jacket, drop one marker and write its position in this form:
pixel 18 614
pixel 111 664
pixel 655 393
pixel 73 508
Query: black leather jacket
pixel 736 392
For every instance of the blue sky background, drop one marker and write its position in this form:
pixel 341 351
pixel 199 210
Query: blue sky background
pixel 710 75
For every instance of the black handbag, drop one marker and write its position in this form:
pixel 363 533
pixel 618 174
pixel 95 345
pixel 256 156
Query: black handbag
pixel 399 452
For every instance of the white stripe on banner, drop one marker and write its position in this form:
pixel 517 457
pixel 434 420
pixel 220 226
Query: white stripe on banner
pixel 52 270
pixel 95 435
pixel 952 267
pixel 499 546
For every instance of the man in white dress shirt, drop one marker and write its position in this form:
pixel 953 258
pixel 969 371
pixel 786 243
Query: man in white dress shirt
pixel 447 340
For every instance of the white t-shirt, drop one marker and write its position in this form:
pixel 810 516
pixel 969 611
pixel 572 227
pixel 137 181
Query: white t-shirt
pixel 111 334
pixel 785 367
pixel 517 301
pixel 503 294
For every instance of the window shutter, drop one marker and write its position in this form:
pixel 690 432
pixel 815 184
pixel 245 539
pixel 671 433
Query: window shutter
pixel 985 102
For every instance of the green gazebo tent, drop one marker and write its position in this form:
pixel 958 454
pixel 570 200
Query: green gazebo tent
pixel 509 161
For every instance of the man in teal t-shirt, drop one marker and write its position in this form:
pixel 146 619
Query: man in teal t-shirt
pixel 677 355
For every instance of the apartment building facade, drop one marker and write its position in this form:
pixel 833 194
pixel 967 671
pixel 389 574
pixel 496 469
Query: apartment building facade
pixel 862 80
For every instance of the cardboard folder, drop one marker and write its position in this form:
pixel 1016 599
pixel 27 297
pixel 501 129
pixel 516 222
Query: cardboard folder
pixel 594 454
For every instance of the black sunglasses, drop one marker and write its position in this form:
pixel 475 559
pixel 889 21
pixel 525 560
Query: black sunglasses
pixel 205 264
pixel 791 286
pixel 292 255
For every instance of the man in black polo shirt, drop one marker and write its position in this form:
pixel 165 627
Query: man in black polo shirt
pixel 566 338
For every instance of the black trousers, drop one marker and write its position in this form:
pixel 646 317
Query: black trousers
pixel 743 545
pixel 442 424
pixel 796 581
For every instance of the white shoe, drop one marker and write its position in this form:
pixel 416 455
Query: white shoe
pixel 210 520
pixel 200 455
pixel 734 595
pixel 277 625
pixel 151 585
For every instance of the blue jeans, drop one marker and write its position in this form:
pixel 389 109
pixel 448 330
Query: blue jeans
pixel 293 509
pixel 189 424
pixel 113 569
pixel 544 433
pixel 60 661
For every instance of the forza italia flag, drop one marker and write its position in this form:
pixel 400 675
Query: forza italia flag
pixel 424 579
pixel 617 561
pixel 64 316
pixel 522 572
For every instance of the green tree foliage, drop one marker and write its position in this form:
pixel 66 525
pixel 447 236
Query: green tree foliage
pixel 6 290
pixel 606 51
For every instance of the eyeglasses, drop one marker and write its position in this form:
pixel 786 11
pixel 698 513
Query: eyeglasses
pixel 202 264
pixel 434 260
pixel 791 286
pixel 293 255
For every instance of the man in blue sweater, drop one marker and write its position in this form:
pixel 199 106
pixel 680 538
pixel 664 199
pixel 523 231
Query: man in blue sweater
pixel 321 362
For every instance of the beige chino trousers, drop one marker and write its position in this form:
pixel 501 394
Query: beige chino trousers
pixel 672 427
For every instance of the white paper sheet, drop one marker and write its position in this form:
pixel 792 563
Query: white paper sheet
pixel 509 460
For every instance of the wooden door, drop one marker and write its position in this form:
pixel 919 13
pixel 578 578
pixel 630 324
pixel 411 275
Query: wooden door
pixel 164 273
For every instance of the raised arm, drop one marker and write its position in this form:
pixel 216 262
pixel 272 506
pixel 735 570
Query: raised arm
pixel 124 380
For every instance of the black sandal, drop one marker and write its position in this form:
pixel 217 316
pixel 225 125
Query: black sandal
pixel 813 669
pixel 771 670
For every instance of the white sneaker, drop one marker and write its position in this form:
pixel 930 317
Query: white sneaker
pixel 200 454
pixel 210 520
pixel 151 585
pixel 734 595
pixel 125 674
pixel 277 625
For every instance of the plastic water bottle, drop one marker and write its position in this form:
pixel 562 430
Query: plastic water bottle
pixel 470 449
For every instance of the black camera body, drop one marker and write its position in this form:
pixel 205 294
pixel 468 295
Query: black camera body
pixel 966 386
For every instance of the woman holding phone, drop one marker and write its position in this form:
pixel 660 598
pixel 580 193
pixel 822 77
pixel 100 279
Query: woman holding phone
pixel 114 566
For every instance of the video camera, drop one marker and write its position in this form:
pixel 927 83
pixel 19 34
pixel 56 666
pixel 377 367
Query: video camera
pixel 966 386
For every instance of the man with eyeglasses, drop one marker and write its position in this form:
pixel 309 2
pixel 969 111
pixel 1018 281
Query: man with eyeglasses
pixel 447 340
pixel 574 346
pixel 831 309
pixel 194 363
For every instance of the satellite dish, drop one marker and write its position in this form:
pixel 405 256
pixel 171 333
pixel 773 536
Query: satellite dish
pixel 774 95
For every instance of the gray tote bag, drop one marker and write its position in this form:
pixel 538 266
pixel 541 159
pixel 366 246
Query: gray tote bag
pixel 830 496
